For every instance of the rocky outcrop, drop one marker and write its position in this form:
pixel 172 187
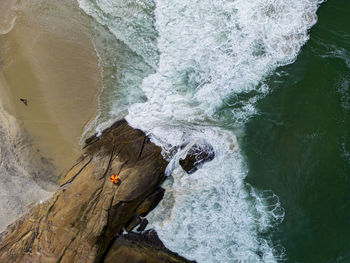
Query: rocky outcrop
pixel 87 213
pixel 141 248
pixel 196 156
pixel 150 202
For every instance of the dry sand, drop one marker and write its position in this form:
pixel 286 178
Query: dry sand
pixel 48 58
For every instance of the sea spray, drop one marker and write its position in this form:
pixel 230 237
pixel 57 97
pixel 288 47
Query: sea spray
pixel 213 58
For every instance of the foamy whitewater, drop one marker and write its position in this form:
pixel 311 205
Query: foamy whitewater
pixel 18 189
pixel 209 60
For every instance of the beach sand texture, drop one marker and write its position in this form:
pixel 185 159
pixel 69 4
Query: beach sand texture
pixel 46 57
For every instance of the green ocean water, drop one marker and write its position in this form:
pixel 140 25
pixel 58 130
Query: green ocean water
pixel 195 71
pixel 299 144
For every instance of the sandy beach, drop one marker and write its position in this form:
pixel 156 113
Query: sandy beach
pixel 47 59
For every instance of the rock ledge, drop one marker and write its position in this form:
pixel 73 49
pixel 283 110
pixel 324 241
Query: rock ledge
pixel 88 213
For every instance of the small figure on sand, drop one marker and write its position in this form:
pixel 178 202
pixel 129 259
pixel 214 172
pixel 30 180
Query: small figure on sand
pixel 25 101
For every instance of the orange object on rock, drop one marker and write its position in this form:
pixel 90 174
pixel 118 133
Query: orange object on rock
pixel 115 179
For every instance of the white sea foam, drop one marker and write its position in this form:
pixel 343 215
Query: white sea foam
pixel 337 52
pixel 209 51
pixel 18 190
pixel 10 27
pixel 211 215
pixel 213 49
pixel 130 21
pixel 214 56
pixel 343 89
pixel 127 51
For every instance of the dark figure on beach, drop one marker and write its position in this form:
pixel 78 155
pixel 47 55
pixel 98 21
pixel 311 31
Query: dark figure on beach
pixel 25 101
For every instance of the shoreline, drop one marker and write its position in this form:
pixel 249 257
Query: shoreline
pixel 52 64
pixel 49 61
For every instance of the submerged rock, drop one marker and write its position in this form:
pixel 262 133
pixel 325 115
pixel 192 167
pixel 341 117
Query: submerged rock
pixel 197 155
pixel 87 213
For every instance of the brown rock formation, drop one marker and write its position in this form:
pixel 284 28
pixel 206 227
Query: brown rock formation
pixel 85 215
pixel 141 248
pixel 196 156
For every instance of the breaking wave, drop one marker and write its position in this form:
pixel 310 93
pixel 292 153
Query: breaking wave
pixel 207 61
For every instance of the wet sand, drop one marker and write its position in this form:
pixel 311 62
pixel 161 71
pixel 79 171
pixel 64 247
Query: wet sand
pixel 48 59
